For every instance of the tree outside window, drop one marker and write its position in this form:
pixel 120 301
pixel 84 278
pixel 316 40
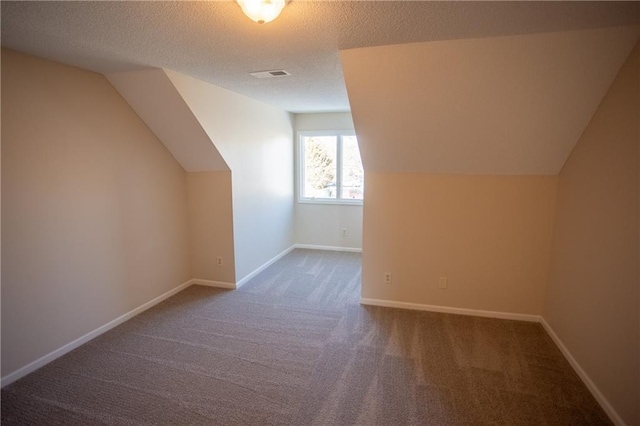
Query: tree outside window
pixel 331 168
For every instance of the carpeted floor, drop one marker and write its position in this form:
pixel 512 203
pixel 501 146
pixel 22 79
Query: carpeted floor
pixel 294 347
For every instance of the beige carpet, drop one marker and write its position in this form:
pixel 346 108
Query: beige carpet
pixel 294 347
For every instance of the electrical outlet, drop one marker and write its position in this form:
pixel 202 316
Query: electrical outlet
pixel 219 261
pixel 443 282
pixel 343 232
pixel 387 277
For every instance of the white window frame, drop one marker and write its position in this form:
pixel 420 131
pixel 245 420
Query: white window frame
pixel 300 172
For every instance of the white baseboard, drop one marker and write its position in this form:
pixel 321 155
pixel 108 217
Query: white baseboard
pixel 264 266
pixel 450 310
pixel 209 283
pixel 285 252
pixel 329 248
pixel 40 362
pixel 604 403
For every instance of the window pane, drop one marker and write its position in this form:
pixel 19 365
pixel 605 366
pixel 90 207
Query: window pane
pixel 352 171
pixel 320 167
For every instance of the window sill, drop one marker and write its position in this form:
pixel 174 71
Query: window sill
pixel 330 202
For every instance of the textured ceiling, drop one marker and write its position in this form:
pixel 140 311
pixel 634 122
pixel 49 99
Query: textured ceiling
pixel 215 42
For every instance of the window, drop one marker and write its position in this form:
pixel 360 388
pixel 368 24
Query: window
pixel 330 168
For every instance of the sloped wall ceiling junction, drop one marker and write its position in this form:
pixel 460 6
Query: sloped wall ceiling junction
pixel 462 142
pixel 256 140
pixel 592 297
pixel 507 105
pixel 158 103
pixel 504 112
pixel 239 155
pixel 209 203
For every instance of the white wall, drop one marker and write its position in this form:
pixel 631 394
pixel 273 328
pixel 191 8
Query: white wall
pixel 321 224
pixel 94 208
pixel 323 121
pixel 256 141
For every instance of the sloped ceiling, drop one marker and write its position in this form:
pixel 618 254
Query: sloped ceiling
pixel 512 105
pixel 155 99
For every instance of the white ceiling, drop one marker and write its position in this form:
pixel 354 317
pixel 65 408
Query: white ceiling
pixel 215 42
pixel 159 104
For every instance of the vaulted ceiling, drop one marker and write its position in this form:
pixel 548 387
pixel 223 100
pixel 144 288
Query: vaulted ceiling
pixel 215 42
pixel 513 105
pixel 158 103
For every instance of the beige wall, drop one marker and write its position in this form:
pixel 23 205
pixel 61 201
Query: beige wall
pixel 154 97
pixel 256 141
pixel 490 235
pixel 211 225
pixel 322 224
pixel 592 300
pixel 513 105
pixel 93 208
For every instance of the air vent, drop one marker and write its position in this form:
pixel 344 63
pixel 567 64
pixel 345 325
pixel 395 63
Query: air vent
pixel 270 74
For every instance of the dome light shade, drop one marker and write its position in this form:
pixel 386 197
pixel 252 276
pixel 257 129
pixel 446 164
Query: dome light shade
pixel 262 11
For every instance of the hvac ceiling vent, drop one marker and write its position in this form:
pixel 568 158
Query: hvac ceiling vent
pixel 270 74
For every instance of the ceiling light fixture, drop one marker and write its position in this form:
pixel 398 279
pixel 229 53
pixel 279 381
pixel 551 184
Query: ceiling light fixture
pixel 262 11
